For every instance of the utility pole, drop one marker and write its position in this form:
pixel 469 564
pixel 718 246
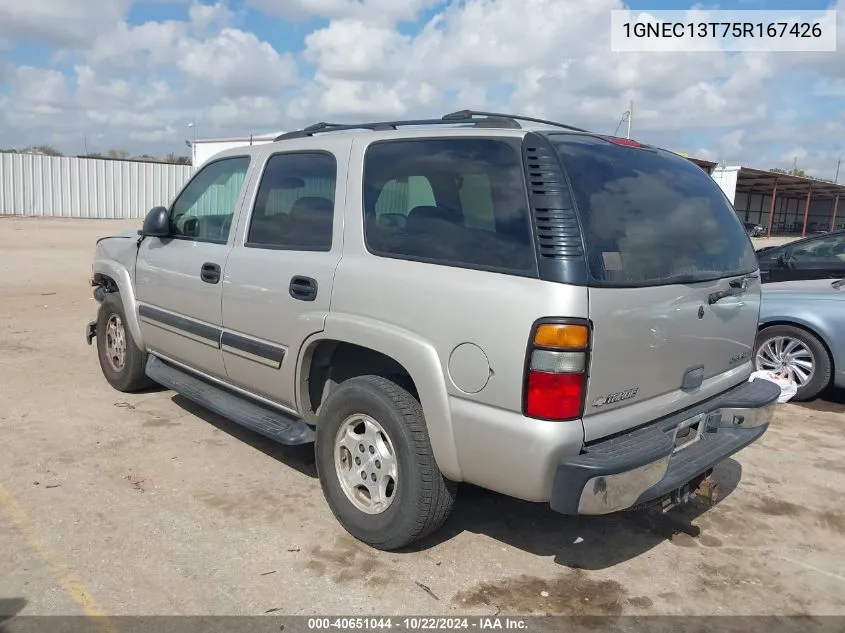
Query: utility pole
pixel 630 117
pixel 838 162
pixel 193 126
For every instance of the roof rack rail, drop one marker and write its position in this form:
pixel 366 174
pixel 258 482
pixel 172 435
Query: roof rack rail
pixel 473 117
pixel 497 121
pixel 468 114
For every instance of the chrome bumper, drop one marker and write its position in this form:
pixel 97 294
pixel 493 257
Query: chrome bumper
pixel 655 460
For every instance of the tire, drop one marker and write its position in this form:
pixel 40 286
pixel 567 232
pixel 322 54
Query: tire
pixel 770 339
pixel 420 500
pixel 129 376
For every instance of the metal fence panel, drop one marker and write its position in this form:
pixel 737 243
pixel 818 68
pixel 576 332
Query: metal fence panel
pixel 70 187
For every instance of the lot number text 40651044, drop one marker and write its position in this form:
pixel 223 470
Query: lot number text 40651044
pixel 417 623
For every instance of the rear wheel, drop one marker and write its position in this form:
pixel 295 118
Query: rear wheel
pixel 121 360
pixel 796 354
pixel 376 466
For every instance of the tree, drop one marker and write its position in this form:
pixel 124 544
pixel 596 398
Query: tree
pixel 178 160
pixel 790 172
pixel 46 150
pixel 117 153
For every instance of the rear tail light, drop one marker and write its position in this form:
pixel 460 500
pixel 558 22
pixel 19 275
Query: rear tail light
pixel 624 141
pixel 556 378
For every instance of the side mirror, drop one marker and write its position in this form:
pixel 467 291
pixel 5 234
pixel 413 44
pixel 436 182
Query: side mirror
pixel 157 223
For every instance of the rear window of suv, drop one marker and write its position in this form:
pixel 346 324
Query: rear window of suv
pixel 650 217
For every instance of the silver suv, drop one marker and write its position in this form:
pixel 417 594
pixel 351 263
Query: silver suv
pixel 546 312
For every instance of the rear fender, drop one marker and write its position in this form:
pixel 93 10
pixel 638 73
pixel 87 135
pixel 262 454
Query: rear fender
pixel 417 356
pixel 805 320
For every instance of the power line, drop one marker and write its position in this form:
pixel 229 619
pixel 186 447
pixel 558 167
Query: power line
pixel 621 121
pixel 626 116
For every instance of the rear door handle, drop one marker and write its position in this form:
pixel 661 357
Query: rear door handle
pixel 737 287
pixel 303 288
pixel 210 273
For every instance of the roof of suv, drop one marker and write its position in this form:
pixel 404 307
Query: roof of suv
pixel 460 123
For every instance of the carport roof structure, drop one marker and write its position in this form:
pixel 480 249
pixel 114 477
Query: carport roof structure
pixel 706 165
pixel 760 181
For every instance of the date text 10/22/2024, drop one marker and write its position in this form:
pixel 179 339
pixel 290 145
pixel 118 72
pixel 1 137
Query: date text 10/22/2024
pixel 481 623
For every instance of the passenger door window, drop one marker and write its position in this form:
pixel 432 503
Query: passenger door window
pixel 830 248
pixel 294 206
pixel 817 259
pixel 458 201
pixel 205 208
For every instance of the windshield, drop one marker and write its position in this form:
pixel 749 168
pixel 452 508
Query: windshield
pixel 651 217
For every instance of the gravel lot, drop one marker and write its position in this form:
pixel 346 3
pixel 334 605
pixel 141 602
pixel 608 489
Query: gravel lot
pixel 147 505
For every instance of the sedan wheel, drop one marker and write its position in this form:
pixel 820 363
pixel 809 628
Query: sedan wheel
pixel 797 355
pixel 787 357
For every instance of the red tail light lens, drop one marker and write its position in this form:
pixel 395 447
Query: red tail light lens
pixel 554 396
pixel 624 141
pixel 557 369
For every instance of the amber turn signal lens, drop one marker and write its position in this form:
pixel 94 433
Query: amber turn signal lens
pixel 559 335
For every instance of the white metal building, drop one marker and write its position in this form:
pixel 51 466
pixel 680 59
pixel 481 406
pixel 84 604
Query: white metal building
pixel 204 149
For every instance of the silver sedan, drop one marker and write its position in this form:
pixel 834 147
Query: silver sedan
pixel 802 334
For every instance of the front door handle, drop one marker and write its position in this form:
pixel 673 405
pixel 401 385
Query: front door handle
pixel 303 288
pixel 210 273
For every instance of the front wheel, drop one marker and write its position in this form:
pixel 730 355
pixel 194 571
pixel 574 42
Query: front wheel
pixel 121 360
pixel 376 467
pixel 795 354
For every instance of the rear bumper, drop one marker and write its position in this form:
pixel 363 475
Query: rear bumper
pixel 650 462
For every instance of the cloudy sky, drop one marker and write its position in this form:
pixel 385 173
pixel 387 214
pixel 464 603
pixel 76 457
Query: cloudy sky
pixel 132 74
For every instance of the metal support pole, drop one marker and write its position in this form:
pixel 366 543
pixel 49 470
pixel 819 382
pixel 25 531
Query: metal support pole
pixel 806 211
pixel 772 209
pixel 833 219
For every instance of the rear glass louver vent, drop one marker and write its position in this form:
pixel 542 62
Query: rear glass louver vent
pixel 555 224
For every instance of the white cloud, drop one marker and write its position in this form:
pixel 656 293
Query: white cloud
pixel 548 58
pixel 205 16
pixel 731 143
pixel 59 22
pixel 352 49
pixel 235 63
pixel 371 10
pixel 556 59
pixel 38 86
pixel 145 46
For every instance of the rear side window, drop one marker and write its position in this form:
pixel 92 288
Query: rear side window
pixel 457 201
pixel 294 206
pixel 651 217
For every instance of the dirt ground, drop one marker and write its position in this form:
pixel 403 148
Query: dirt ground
pixel 140 505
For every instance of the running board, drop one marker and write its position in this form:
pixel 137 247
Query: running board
pixel 276 425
